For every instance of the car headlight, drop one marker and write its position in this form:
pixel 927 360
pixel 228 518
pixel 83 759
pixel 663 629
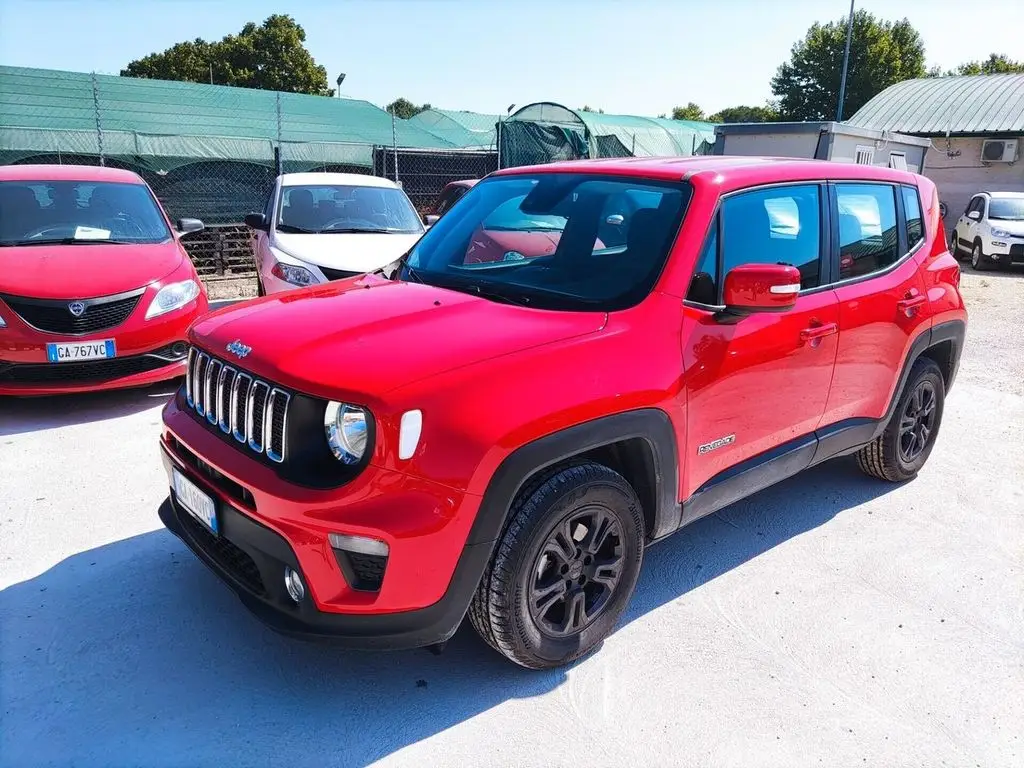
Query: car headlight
pixel 172 297
pixel 346 429
pixel 1001 233
pixel 2 323
pixel 294 275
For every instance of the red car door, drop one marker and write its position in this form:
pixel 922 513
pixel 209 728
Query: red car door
pixel 754 384
pixel 881 294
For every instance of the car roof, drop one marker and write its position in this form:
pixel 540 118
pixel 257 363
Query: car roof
pixel 346 179
pixel 724 171
pixel 466 183
pixel 67 173
pixel 1003 194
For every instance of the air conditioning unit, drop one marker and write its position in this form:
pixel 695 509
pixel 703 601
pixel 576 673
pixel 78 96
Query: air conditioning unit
pixel 999 150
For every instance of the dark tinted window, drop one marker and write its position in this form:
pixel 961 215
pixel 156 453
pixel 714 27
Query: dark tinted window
pixel 1006 208
pixel 868 239
pixel 704 284
pixel 977 204
pixel 780 225
pixel 912 208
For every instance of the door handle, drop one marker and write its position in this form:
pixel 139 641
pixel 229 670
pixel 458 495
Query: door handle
pixel 819 331
pixel 908 306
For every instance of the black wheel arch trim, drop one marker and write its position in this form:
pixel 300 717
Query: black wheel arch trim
pixel 651 425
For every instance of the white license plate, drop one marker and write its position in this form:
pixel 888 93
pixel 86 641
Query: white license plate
pixel 84 350
pixel 196 502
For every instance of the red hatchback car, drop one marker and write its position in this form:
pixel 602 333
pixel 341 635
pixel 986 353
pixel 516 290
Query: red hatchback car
pixel 375 460
pixel 96 290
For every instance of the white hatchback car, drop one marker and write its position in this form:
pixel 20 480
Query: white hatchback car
pixel 318 227
pixel 991 229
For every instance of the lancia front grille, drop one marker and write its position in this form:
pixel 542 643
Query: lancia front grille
pixel 250 410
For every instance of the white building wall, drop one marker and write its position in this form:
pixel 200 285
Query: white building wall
pixel 771 144
pixel 960 177
pixel 844 150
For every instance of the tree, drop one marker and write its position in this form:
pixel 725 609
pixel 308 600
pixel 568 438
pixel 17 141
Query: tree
pixel 271 56
pixel 405 109
pixel 995 64
pixel 881 53
pixel 744 114
pixel 690 112
pixel 588 108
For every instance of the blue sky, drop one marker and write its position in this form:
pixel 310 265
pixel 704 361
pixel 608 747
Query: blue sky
pixel 626 56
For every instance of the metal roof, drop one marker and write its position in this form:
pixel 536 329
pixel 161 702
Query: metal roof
pixel 935 106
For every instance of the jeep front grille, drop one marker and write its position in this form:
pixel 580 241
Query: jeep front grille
pixel 251 410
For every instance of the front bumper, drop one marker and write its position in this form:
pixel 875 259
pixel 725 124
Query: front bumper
pixel 267 525
pixel 1005 250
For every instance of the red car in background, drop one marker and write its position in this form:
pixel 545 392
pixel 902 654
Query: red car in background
pixel 96 289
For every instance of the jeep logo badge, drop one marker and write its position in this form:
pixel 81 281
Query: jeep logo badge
pixel 236 347
pixel 76 308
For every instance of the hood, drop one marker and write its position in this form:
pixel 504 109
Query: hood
pixel 349 252
pixel 1012 226
pixel 365 337
pixel 84 271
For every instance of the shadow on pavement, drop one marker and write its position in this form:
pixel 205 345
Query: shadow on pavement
pixel 31 414
pixel 134 654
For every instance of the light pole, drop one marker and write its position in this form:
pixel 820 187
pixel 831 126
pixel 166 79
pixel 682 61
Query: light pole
pixel 846 63
pixel 508 112
pixel 339 81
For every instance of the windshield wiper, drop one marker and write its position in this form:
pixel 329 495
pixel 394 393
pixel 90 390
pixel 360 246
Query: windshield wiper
pixel 403 261
pixel 66 241
pixel 489 293
pixel 293 230
pixel 354 231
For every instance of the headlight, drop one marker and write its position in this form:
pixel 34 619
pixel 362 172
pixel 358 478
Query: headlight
pixel 1001 233
pixel 2 323
pixel 172 297
pixel 346 429
pixel 294 275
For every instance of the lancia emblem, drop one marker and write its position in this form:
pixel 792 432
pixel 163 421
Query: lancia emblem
pixel 76 308
pixel 236 347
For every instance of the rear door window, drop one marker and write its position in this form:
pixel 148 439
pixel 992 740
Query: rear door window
pixel 912 209
pixel 868 236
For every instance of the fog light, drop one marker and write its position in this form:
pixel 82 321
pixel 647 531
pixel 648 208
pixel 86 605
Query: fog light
pixel 293 583
pixel 359 544
pixel 179 349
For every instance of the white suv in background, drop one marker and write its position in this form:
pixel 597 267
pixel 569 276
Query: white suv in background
pixel 991 229
pixel 317 227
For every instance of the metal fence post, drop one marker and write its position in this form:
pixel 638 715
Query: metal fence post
pixel 219 255
pixel 96 111
pixel 499 142
pixel 394 141
pixel 278 162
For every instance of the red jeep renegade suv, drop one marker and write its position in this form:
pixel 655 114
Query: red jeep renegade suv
pixel 374 459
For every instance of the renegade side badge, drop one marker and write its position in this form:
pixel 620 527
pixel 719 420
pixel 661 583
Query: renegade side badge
pixel 714 444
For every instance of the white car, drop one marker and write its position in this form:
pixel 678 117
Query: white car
pixel 318 227
pixel 991 229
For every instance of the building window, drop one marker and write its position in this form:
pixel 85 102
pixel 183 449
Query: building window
pixel 898 160
pixel 865 155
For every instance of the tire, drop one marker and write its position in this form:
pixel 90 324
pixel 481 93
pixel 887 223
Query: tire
pixel 887 457
pixel 979 261
pixel 954 246
pixel 563 510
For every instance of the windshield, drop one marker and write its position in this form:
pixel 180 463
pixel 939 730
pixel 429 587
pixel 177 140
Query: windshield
pixel 338 208
pixel 555 241
pixel 41 212
pixel 1006 208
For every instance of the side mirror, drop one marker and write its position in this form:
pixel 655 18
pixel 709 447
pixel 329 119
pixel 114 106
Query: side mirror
pixel 188 226
pixel 752 288
pixel 974 215
pixel 256 221
pixel 430 219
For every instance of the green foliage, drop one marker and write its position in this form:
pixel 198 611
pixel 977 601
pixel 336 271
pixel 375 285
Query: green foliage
pixel 405 109
pixel 881 53
pixel 690 112
pixel 995 64
pixel 744 114
pixel 588 108
pixel 271 56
